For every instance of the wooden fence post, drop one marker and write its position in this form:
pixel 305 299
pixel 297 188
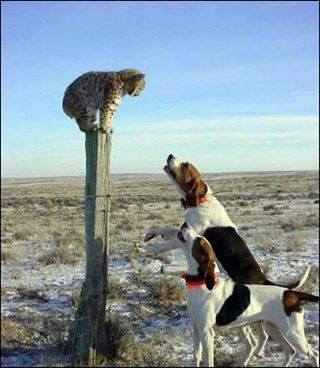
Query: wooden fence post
pixel 89 335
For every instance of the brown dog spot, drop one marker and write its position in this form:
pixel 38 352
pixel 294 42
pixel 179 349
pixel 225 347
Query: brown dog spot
pixel 194 195
pixel 189 180
pixel 202 252
pixel 196 250
pixel 291 302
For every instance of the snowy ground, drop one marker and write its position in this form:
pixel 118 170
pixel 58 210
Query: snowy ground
pixel 42 259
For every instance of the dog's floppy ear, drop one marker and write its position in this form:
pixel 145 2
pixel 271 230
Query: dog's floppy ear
pixel 198 189
pixel 203 253
pixel 192 197
pixel 209 277
pixel 183 202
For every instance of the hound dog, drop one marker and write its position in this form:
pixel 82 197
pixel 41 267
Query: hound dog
pixel 209 218
pixel 215 304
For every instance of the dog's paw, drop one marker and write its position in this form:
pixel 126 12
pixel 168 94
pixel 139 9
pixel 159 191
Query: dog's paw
pixel 259 354
pixel 150 235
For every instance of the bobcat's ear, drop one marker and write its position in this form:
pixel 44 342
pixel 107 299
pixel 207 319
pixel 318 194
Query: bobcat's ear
pixel 140 76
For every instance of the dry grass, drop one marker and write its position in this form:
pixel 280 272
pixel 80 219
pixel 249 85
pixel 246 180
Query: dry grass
pixel 5 239
pixel 69 249
pixel 269 207
pixel 266 266
pixel 16 274
pixel 312 282
pixel 268 242
pixel 124 350
pixel 15 333
pixel 294 242
pixel 289 225
pixel 23 234
pixel 228 360
pixel 30 293
pixel 166 288
pixel 7 256
pixel 116 288
pixel 116 291
pixel 55 357
pixel 313 195
pixel 161 287
pixel 274 212
pixel 119 337
pixel 6 291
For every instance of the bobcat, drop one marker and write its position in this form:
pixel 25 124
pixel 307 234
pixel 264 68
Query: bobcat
pixel 93 98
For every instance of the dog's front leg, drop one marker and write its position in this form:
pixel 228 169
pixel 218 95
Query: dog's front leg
pixel 164 232
pixel 207 341
pixel 249 341
pixel 164 247
pixel 197 347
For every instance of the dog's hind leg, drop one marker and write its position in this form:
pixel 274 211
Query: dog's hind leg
pixel 294 333
pixel 247 337
pixel 262 338
pixel 299 341
pixel 287 347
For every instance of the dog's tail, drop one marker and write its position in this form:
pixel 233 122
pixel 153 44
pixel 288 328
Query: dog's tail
pixel 292 300
pixel 294 286
pixel 306 297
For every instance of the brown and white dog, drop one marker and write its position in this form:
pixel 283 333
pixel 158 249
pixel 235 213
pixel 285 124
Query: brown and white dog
pixel 208 217
pixel 215 304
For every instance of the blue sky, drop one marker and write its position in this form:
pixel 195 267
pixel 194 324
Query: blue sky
pixel 231 86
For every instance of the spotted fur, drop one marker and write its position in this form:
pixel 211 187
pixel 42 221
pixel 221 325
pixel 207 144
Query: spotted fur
pixel 93 98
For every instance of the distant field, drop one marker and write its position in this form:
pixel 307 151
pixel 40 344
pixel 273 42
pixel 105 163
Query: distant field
pixel 42 261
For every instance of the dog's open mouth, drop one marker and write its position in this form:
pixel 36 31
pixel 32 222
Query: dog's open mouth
pixel 180 237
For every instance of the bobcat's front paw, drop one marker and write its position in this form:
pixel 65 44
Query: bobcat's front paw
pixel 85 128
pixel 150 235
pixel 107 129
pixel 88 126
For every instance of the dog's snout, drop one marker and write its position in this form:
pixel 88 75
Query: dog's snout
pixel 185 226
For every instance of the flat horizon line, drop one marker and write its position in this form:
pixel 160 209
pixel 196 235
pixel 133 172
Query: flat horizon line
pixel 160 173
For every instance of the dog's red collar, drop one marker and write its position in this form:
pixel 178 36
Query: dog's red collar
pixel 205 198
pixel 193 280
pixel 197 280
